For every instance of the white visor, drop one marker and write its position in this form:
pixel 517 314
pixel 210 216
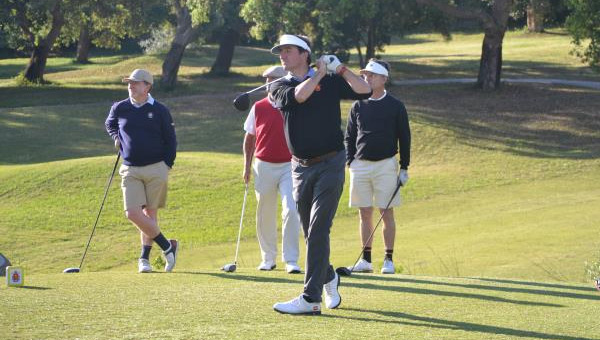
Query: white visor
pixel 376 68
pixel 288 39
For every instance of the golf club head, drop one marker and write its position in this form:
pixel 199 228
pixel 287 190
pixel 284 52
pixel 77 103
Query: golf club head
pixel 4 262
pixel 229 268
pixel 72 270
pixel 343 271
pixel 242 102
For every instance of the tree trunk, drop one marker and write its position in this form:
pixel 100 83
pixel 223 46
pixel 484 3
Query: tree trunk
pixel 536 12
pixel 494 22
pixel 226 48
pixel 83 45
pixel 370 53
pixel 37 64
pixel 170 66
pixel 490 65
pixel 361 60
pixel 184 34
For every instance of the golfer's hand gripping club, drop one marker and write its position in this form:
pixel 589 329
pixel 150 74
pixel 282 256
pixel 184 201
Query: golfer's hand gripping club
pixel 332 63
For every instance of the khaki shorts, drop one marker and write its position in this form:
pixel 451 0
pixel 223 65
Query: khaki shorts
pixel 144 186
pixel 373 182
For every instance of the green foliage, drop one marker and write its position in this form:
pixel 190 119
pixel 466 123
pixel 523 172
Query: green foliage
pixel 22 81
pixel 159 40
pixel 200 10
pixel 335 26
pixel 584 24
pixel 109 21
pixel 34 15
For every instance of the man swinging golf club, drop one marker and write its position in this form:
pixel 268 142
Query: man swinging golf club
pixel 143 131
pixel 376 129
pixel 265 140
pixel 310 103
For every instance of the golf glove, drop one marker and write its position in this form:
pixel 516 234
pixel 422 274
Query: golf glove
pixel 332 63
pixel 403 177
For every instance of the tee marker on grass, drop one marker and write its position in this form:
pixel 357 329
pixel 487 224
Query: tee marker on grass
pixel 14 276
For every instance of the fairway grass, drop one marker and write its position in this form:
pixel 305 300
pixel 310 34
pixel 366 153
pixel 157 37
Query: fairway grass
pixel 498 218
pixel 207 304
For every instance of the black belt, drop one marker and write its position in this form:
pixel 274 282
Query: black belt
pixel 314 160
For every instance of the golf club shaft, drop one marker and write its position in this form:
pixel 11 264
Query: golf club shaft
pixel 237 247
pixel 265 85
pixel 377 225
pixel 112 174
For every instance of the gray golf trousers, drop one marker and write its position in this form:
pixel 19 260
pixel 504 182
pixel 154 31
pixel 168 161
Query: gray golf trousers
pixel 317 192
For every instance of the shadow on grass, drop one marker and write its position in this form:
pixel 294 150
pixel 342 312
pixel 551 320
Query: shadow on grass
pixel 433 292
pixel 429 322
pixel 409 290
pixel 482 287
pixel 35 288
pixel 29 96
pixel 525 119
pixel 251 278
pixel 536 284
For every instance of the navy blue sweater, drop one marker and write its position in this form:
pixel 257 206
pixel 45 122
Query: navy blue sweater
pixel 376 129
pixel 147 133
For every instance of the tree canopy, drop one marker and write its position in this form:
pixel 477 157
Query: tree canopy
pixel 584 26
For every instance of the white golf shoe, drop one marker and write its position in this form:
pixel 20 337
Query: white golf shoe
pixel 266 265
pixel 332 296
pixel 388 267
pixel 292 268
pixel 298 306
pixel 144 266
pixel 171 256
pixel 362 266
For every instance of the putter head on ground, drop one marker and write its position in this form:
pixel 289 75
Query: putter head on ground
pixel 242 102
pixel 72 270
pixel 343 271
pixel 229 268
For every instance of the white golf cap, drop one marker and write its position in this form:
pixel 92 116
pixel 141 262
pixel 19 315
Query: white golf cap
pixel 140 75
pixel 274 72
pixel 289 39
pixel 375 67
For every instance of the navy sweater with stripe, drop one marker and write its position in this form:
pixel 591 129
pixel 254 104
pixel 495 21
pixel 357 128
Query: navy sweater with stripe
pixel 147 133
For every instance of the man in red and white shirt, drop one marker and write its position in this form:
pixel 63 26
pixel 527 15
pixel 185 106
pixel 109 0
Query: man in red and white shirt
pixel 265 140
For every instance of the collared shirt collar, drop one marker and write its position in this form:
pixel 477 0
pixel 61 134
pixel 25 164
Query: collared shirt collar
pixel 310 73
pixel 384 94
pixel 150 101
pixel 271 101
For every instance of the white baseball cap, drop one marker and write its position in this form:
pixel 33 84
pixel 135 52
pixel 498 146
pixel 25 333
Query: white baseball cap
pixel 140 75
pixel 375 67
pixel 274 72
pixel 289 39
